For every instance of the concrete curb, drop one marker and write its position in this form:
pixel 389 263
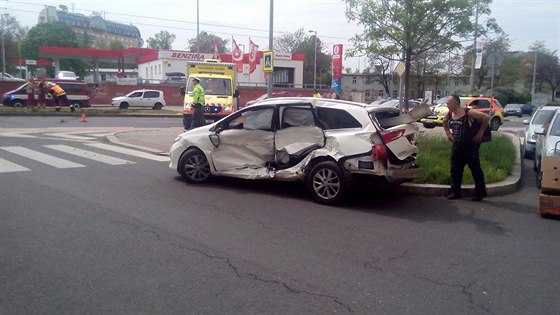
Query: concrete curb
pixel 114 139
pixel 507 186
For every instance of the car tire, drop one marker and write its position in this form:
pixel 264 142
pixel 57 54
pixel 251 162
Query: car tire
pixel 123 105
pixel 326 183
pixel 18 104
pixel 429 126
pixel 76 105
pixel 194 167
pixel 495 124
pixel 158 106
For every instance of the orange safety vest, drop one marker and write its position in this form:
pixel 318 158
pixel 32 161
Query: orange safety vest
pixel 58 90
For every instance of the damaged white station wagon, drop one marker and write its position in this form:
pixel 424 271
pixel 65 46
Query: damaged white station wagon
pixel 321 142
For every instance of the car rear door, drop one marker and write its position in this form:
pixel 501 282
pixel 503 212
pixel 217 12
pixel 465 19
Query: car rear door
pixel 298 135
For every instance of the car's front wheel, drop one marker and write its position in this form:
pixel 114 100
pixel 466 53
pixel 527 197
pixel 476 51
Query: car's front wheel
pixel 123 105
pixel 76 104
pixel 495 124
pixel 194 167
pixel 326 183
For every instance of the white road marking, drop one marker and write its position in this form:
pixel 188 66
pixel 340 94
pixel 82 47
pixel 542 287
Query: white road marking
pixel 89 155
pixel 7 167
pixel 15 135
pixel 126 151
pixel 42 157
pixel 69 136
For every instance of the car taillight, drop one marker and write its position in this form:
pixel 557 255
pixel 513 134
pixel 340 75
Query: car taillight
pixel 379 152
pixel 391 135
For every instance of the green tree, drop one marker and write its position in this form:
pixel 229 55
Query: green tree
pixel 499 45
pixel 161 40
pixel 412 27
pixel 49 34
pixel 307 47
pixel 206 43
pixel 548 67
pixel 13 35
pixel 289 42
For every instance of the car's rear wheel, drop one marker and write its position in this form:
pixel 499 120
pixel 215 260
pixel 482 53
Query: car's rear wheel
pixel 123 105
pixel 194 167
pixel 76 104
pixel 326 183
pixel 157 106
pixel 495 123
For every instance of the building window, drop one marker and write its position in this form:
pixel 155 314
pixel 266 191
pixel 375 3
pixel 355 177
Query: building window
pixel 368 93
pixel 456 83
pixel 380 93
pixel 353 80
pixel 395 93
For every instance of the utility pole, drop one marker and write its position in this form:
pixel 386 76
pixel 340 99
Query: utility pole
pixel 471 85
pixel 3 48
pixel 534 78
pixel 197 28
pixel 270 47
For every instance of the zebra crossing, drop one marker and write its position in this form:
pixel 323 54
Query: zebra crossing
pixel 79 148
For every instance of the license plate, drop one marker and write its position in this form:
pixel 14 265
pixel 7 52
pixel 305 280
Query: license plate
pixel 209 121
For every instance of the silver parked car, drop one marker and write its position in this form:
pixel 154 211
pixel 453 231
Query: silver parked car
pixel 320 142
pixel 548 143
pixel 541 116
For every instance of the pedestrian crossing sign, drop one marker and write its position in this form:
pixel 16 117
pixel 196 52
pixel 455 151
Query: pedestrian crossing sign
pixel 268 56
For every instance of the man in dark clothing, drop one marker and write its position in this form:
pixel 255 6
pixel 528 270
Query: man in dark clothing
pixel 465 129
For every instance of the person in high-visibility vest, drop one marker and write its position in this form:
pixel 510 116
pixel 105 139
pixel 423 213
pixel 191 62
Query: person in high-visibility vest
pixel 198 102
pixel 59 96
pixel 316 94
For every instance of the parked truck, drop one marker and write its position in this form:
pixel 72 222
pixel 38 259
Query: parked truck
pixel 219 80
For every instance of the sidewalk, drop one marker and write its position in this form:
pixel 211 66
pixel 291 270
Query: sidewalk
pixel 159 141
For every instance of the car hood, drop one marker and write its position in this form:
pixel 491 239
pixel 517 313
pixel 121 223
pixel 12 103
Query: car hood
pixel 119 98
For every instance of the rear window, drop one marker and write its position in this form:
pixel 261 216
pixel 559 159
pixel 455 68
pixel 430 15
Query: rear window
pixel 151 94
pixel 332 118
pixel 542 116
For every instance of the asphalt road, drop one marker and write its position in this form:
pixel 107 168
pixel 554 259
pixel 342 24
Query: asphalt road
pixel 134 238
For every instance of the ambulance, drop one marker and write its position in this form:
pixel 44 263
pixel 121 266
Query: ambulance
pixel 219 80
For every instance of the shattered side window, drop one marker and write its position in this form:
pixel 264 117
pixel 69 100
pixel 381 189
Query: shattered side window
pixel 294 116
pixel 260 119
pixel 331 118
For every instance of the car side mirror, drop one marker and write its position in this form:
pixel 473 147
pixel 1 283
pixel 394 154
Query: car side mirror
pixel 539 131
pixel 182 91
pixel 525 121
pixel 236 93
pixel 215 138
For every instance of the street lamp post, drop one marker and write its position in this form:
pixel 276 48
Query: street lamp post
pixel 315 59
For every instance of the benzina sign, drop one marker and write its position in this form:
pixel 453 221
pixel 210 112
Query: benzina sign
pixel 189 56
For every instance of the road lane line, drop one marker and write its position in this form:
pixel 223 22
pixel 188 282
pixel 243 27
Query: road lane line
pixel 126 151
pixel 42 157
pixel 7 167
pixel 89 154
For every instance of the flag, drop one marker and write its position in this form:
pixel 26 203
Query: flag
pixel 236 55
pixel 215 47
pixel 479 50
pixel 252 56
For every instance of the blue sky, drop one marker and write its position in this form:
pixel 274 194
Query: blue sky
pixel 524 20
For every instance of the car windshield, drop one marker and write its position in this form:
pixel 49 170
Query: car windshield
pixel 542 116
pixel 213 86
